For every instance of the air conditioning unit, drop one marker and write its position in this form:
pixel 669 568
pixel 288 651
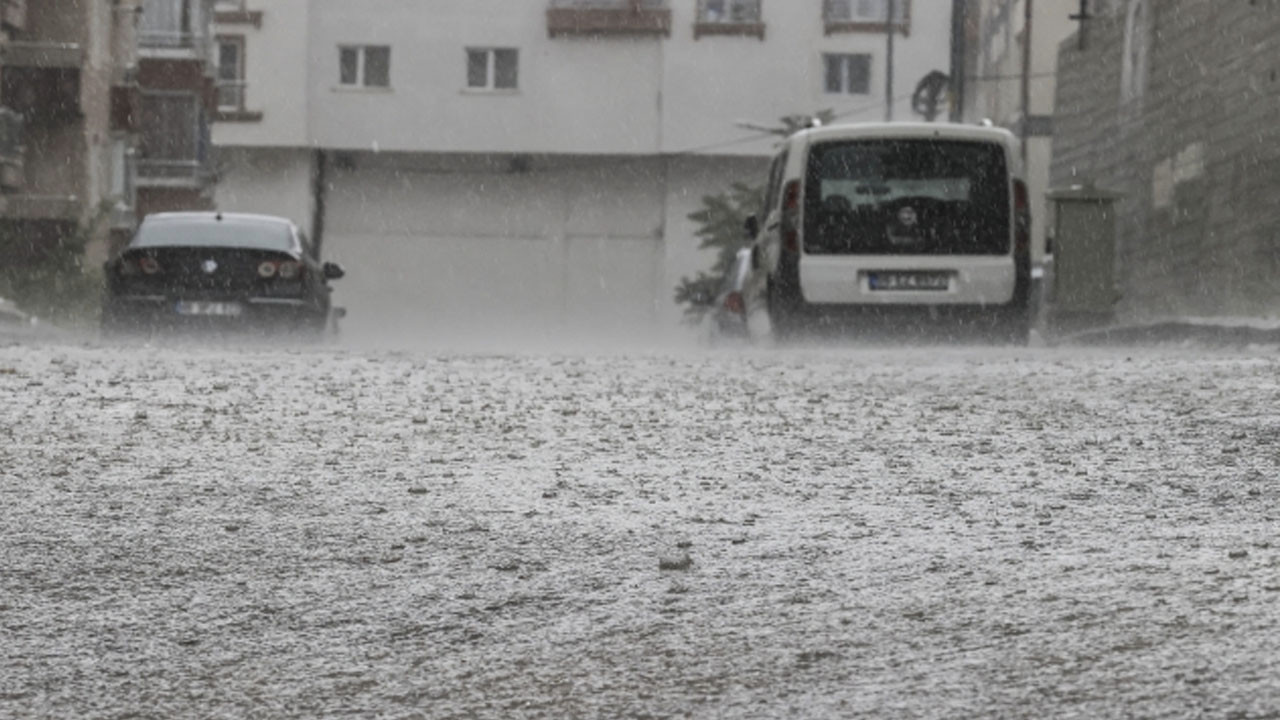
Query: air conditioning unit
pixel 13 14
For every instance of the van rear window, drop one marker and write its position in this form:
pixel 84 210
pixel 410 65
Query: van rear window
pixel 907 197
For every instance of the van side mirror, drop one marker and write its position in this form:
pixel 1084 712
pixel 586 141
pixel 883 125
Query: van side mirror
pixel 333 271
pixel 751 226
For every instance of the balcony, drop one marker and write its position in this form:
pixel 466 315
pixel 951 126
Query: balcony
pixel 608 17
pixel 173 141
pixel 44 96
pixel 41 55
pixel 234 12
pixel 865 16
pixel 13 14
pixel 175 28
pixel 124 42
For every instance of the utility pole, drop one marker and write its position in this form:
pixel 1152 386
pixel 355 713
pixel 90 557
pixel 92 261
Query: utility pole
pixel 888 63
pixel 1026 78
pixel 959 56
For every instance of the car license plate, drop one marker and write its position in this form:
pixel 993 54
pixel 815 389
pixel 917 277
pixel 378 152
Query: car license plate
pixel 200 307
pixel 909 280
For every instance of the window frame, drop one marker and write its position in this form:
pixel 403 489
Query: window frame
pixel 238 80
pixel 491 70
pixel 362 67
pixel 845 58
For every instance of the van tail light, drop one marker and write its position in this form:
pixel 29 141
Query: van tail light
pixel 791 216
pixel 1022 220
pixel 733 303
pixel 148 265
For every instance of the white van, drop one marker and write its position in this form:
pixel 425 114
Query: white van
pixel 907 222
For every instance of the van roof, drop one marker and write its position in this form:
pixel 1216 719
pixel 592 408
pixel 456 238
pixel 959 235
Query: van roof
pixel 910 130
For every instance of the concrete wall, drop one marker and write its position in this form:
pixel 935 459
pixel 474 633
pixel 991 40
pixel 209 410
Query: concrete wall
pixel 1193 145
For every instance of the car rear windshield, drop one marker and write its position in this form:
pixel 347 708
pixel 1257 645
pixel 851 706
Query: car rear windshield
pixel 215 233
pixel 907 197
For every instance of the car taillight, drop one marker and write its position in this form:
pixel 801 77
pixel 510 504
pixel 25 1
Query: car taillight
pixel 148 265
pixel 289 270
pixel 1021 219
pixel 791 216
pixel 733 303
pixel 266 269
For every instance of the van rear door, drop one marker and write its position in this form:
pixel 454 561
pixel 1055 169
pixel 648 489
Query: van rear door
pixel 907 196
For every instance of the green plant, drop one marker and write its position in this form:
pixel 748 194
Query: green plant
pixel 720 220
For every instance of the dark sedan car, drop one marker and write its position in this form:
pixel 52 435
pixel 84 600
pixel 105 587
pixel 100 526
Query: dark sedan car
pixel 224 270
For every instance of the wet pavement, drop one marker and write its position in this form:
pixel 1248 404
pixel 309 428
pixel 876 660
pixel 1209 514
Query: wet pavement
pixel 936 532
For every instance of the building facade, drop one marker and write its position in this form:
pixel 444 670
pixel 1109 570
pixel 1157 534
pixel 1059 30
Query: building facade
pixel 96 127
pixel 527 167
pixel 1171 103
pixel 66 127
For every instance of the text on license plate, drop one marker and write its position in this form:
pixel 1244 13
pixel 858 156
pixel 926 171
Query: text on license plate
pixel 909 280
pixel 201 307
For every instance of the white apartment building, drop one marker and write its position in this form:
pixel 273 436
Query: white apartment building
pixel 528 166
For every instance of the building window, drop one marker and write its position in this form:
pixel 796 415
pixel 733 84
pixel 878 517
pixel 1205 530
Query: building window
pixel 174 136
pixel 849 74
pixel 228 5
pixel 230 73
pixel 728 11
pixel 364 66
pixel 492 68
pixel 865 15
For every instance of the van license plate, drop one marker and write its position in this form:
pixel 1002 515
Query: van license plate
pixel 220 309
pixel 909 280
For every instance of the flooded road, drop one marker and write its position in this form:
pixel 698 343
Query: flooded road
pixel 892 532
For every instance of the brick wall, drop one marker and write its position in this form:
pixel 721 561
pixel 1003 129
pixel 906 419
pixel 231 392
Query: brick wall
pixel 1196 153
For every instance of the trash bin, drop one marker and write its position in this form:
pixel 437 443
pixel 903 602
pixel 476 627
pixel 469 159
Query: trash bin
pixel 1081 240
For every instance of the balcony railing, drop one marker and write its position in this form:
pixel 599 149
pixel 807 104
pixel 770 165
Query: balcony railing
pixel 843 16
pixel 41 55
pixel 729 17
pixel 174 140
pixel 608 17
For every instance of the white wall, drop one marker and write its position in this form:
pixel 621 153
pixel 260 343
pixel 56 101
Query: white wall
pixel 276 72
pixel 272 181
pixel 442 251
pixel 575 95
pixel 711 82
